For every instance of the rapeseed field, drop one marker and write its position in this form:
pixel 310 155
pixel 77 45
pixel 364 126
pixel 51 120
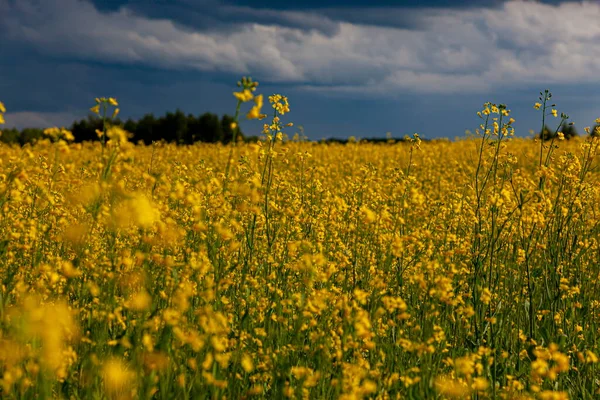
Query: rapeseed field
pixel 293 269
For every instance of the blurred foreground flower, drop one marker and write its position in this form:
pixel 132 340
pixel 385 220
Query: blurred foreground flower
pixel 59 133
pixel 2 111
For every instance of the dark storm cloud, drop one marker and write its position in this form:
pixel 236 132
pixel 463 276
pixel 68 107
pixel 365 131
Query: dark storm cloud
pixel 454 49
pixel 356 51
pixel 220 16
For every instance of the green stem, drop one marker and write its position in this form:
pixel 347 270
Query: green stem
pixel 230 157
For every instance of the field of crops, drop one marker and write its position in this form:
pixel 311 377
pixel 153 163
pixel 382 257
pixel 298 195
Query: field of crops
pixel 291 269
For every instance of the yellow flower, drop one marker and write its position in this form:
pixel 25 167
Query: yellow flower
pixel 52 132
pixel 56 133
pixel 68 270
pixel 137 211
pixel 117 134
pixel 367 215
pixel 117 377
pixel 2 110
pixel 146 215
pixel 55 326
pixel 554 113
pixel 112 101
pixel 115 113
pixel 245 95
pixel 95 109
pixel 452 388
pixel 279 103
pixel 480 384
pixel 591 357
pixel 258 100
pixel 553 395
pixel 537 106
pixel 254 112
pixel 247 363
pixel 141 301
pixel 67 135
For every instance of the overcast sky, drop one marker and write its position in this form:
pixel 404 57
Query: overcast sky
pixel 359 68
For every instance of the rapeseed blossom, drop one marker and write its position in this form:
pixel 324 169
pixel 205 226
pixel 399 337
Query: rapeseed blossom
pixel 415 269
pixel 2 111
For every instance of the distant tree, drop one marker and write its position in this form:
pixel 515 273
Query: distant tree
pixel 146 130
pixel 251 139
pixel 85 129
pixel 181 127
pixel 173 127
pixel 210 128
pixel 546 133
pixel 228 132
pixel 30 135
pixel 569 131
pixel 10 135
pixel 193 129
pixel 130 126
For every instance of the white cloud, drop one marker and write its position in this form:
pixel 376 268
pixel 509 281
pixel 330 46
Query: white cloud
pixel 462 50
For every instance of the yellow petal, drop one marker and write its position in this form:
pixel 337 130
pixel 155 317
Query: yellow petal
pixel 254 113
pixel 245 95
pixel 2 108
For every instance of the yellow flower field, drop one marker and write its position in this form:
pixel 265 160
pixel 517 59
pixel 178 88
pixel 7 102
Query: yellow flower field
pixel 292 269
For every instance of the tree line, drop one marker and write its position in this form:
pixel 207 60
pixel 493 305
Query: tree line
pixel 174 127
pixel 568 130
pixel 177 127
